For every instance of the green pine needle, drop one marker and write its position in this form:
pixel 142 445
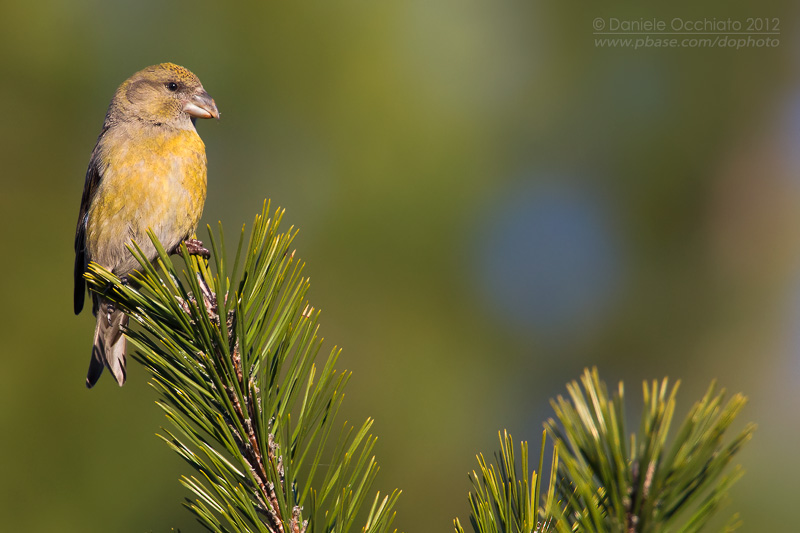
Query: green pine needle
pixel 602 481
pixel 232 356
pixel 507 499
pixel 643 483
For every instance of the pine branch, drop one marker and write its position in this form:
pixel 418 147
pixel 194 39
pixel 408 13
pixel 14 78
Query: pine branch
pixel 504 499
pixel 599 483
pixel 641 484
pixel 232 358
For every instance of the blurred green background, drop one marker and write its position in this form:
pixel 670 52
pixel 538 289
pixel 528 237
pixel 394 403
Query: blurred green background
pixel 488 203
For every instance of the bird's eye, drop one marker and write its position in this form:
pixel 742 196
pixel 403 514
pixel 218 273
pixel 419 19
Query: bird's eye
pixel 172 86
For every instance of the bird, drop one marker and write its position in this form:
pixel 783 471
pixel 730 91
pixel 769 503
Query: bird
pixel 146 171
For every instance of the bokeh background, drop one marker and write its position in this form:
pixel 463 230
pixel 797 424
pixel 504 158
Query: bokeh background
pixel 488 203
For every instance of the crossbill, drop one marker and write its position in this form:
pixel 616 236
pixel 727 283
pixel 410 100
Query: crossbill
pixel 147 170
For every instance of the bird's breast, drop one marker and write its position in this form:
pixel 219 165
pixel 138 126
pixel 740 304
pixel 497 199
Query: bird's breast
pixel 155 181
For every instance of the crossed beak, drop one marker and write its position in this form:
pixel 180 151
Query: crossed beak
pixel 201 105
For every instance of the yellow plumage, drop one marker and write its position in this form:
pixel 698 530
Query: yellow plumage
pixel 147 171
pixel 156 182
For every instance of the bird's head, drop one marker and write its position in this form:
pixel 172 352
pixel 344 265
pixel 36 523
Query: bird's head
pixel 162 95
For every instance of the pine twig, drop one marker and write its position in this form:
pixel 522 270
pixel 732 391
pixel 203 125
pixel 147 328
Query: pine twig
pixel 232 355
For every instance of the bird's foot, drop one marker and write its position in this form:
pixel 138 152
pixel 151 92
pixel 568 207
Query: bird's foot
pixel 195 247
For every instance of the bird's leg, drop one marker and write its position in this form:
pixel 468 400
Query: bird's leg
pixel 195 247
pixel 110 307
pixel 109 311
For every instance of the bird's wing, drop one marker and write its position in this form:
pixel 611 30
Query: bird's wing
pixel 93 177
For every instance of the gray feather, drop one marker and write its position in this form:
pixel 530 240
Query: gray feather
pixel 109 346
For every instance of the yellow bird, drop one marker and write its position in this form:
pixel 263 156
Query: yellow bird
pixel 147 170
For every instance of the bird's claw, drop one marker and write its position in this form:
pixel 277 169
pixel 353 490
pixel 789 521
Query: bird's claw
pixel 195 247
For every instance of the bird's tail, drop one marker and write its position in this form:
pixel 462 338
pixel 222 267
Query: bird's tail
pixel 109 344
